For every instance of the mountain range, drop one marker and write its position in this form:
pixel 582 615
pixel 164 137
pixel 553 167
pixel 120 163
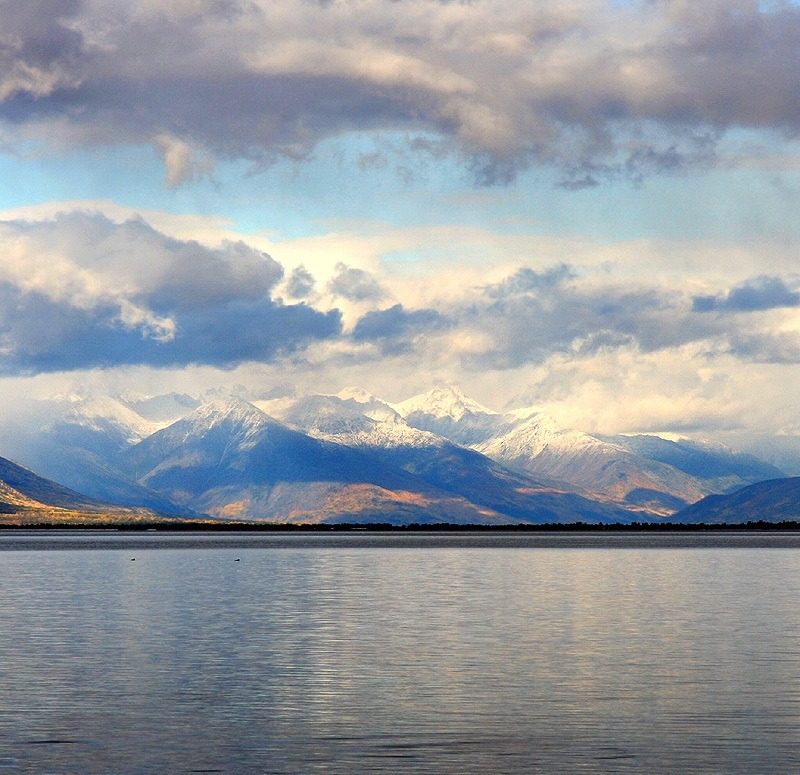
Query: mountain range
pixel 27 498
pixel 352 457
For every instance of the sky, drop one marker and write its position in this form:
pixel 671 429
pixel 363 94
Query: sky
pixel 588 206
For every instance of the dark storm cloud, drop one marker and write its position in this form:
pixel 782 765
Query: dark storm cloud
pixel 595 88
pixel 759 294
pixel 81 291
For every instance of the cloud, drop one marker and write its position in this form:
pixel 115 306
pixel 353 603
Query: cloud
pixel 594 88
pixel 300 283
pixel 355 284
pixel 762 293
pixel 181 160
pixel 527 280
pixel 395 328
pixel 532 315
pixel 81 291
pixel 766 346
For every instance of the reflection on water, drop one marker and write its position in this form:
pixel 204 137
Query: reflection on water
pixel 400 660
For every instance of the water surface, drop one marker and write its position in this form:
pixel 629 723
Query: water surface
pixel 343 654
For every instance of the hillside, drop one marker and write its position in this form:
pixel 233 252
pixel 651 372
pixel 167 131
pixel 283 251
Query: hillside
pixel 775 500
pixel 27 498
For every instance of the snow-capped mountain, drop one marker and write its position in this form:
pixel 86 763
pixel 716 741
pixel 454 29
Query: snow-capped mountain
pixel 102 421
pixel 160 409
pixel 229 459
pixel 448 412
pixel 442 463
pixel 629 470
pixel 76 441
pixel 538 446
pixel 371 424
pixel 437 456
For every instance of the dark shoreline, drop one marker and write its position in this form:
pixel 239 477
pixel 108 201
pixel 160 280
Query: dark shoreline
pixel 256 527
pixel 243 539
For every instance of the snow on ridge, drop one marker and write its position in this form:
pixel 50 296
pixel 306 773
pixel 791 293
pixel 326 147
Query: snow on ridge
pixel 442 402
pixel 538 432
pixel 224 408
pixel 103 411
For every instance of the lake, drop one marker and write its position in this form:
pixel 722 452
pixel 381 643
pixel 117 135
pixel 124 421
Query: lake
pixel 397 653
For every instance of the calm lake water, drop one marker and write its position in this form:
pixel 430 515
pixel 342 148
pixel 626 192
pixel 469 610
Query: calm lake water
pixel 399 654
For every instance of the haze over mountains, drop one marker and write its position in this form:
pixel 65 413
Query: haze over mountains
pixel 352 457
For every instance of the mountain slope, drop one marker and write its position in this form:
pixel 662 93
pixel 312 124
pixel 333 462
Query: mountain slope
pixel 76 442
pixel 775 500
pixel 27 498
pixel 443 464
pixel 537 446
pixel 720 467
pixel 227 458
pixel 41 490
pixel 447 412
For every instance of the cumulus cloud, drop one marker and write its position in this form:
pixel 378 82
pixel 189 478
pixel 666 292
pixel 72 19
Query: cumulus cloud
pixel 527 279
pixel 593 87
pixel 532 315
pixel 355 284
pixel 394 328
pixel 80 291
pixel 300 283
pixel 759 294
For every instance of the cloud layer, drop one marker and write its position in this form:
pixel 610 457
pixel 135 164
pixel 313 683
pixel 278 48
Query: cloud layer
pixel 81 291
pixel 592 86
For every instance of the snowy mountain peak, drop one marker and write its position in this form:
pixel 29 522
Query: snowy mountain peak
pixel 442 402
pixel 228 409
pixel 538 432
pixel 104 412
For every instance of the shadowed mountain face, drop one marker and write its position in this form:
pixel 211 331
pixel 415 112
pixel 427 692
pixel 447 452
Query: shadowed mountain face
pixel 721 467
pixel 775 500
pixel 229 459
pixel 644 472
pixel 26 497
pixel 443 464
pixel 77 442
pixel 40 490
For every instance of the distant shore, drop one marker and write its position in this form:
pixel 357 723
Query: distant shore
pixel 260 527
